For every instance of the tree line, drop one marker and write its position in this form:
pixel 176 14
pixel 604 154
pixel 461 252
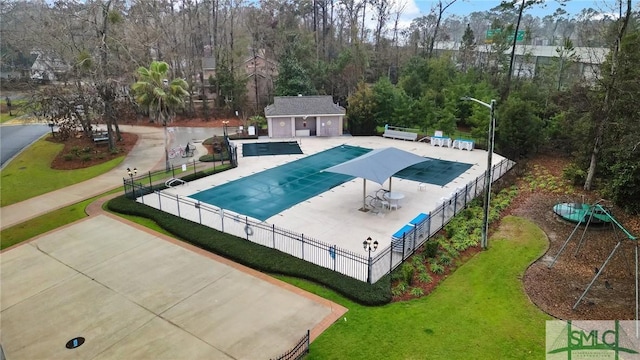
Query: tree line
pixel 360 53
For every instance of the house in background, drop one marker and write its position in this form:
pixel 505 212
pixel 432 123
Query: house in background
pixel 298 116
pixel 261 73
pixel 47 67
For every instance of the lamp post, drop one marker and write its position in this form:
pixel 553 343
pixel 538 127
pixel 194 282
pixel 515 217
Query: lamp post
pixel 224 128
pixel 131 174
pixel 369 246
pixel 487 183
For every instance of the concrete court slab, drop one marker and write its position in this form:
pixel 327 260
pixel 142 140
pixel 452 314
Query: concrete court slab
pixel 218 323
pixel 25 272
pixel 113 303
pixel 159 339
pixel 40 326
pixel 82 252
pixel 157 274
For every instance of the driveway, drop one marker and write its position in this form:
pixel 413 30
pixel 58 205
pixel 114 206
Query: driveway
pixel 15 138
pixel 131 293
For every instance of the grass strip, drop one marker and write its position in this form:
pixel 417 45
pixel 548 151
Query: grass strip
pixel 30 173
pixel 478 312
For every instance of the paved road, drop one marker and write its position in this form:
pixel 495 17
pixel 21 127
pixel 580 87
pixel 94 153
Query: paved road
pixel 14 138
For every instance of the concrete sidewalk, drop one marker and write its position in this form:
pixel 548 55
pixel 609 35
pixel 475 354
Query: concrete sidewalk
pixel 145 156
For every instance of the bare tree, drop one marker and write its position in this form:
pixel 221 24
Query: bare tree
pixel 604 119
pixel 441 8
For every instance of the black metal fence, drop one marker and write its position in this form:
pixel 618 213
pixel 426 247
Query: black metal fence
pixel 146 182
pixel 358 266
pixel 298 351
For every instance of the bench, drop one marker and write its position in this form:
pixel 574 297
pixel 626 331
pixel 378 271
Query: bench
pixel 100 138
pixel 403 135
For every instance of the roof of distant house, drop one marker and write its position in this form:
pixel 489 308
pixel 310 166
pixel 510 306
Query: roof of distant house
pixel 587 55
pixel 303 106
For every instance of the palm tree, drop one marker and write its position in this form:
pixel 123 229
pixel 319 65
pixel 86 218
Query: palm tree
pixel 159 96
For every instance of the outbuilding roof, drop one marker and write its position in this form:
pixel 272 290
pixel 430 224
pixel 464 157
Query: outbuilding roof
pixel 303 106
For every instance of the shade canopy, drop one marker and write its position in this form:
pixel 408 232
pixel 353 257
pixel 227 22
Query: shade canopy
pixel 378 165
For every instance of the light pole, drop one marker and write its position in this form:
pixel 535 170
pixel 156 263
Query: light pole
pixel 167 165
pixel 224 128
pixel 369 246
pixel 487 183
pixel 131 174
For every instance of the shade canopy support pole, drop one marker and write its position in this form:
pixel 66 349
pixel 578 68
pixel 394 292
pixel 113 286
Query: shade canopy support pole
pixel 364 194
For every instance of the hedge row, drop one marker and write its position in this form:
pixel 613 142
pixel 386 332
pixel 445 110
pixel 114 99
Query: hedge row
pixel 257 256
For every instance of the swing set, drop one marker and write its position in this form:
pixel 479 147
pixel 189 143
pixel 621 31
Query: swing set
pixel 596 213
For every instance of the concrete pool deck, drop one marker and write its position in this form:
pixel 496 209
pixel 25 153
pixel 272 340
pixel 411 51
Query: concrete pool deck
pixel 333 216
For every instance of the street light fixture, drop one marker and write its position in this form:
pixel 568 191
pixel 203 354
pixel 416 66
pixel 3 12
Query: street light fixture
pixel 369 246
pixel 225 123
pixel 131 174
pixel 487 183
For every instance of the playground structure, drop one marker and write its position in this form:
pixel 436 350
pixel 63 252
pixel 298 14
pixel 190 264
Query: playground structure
pixel 587 214
pixel 580 213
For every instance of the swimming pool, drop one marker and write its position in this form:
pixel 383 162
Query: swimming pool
pixel 272 191
pixel 267 193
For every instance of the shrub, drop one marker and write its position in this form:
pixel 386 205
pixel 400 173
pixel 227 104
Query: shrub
pixel 399 289
pixel 575 174
pixel 431 249
pixel 75 151
pixel 87 149
pixel 257 256
pixel 424 277
pixel 445 259
pixel 416 291
pixel 86 157
pixel 437 268
pixel 417 260
pixel 68 156
pixel 214 157
pixel 453 253
pixel 407 273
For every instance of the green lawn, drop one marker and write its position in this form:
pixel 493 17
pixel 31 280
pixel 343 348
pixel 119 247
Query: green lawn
pixel 40 225
pixel 30 174
pixel 47 222
pixel 16 110
pixel 479 312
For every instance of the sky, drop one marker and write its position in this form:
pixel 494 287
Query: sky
pixel 465 7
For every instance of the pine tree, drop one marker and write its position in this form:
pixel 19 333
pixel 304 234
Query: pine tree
pixel 467 49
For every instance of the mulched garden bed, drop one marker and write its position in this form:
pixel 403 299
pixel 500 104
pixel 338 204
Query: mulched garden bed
pixel 81 152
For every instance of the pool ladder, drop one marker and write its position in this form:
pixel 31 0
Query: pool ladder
pixel 173 182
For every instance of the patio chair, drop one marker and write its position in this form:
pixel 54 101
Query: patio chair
pixel 383 201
